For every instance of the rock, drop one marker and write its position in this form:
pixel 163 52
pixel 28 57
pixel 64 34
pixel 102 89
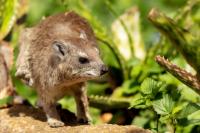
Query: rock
pixel 26 119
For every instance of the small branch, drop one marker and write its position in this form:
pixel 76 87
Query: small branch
pixel 107 103
pixel 184 41
pixel 168 27
pixel 181 74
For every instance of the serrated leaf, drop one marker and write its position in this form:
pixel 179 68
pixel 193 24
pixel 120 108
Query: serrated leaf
pixel 164 106
pixel 186 122
pixel 195 115
pixel 177 109
pixel 190 115
pixel 149 87
pixel 136 103
pixel 189 109
pixel 164 118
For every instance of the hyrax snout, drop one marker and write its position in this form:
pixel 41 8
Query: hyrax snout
pixel 57 57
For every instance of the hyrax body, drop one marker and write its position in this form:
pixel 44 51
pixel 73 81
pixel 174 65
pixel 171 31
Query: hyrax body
pixel 56 58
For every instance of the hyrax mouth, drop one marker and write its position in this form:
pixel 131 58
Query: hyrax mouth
pixel 97 72
pixel 104 70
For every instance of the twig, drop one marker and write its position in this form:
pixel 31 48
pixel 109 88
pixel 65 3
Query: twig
pixel 181 74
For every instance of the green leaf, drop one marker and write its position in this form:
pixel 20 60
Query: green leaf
pixel 189 109
pixel 6 100
pixel 177 109
pixel 149 87
pixel 194 121
pixel 140 121
pixel 8 13
pixel 136 103
pixel 189 115
pixel 164 119
pixel 186 122
pixel 164 106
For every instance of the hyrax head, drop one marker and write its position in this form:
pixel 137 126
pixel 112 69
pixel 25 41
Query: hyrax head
pixel 72 48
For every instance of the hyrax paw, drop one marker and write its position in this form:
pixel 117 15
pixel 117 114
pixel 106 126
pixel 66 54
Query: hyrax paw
pixel 55 123
pixel 84 121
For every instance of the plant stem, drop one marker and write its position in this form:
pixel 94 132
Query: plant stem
pixel 157 122
pixel 174 125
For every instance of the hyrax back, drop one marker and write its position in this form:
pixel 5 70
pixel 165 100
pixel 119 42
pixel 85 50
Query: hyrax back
pixel 56 58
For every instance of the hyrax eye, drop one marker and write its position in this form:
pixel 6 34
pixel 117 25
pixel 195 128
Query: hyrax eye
pixel 83 60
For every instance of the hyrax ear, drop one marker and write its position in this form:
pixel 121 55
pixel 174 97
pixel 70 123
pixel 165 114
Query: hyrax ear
pixel 60 48
pixel 57 55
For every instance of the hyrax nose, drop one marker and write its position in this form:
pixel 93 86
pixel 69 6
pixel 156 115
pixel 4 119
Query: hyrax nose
pixel 104 69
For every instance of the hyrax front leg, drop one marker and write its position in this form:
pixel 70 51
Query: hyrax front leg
pixel 82 105
pixel 53 118
pixel 22 64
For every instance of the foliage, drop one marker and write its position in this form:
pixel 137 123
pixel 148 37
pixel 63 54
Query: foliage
pixel 185 41
pixel 137 90
pixel 8 13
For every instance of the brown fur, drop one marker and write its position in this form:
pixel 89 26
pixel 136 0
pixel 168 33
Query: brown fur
pixel 50 60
